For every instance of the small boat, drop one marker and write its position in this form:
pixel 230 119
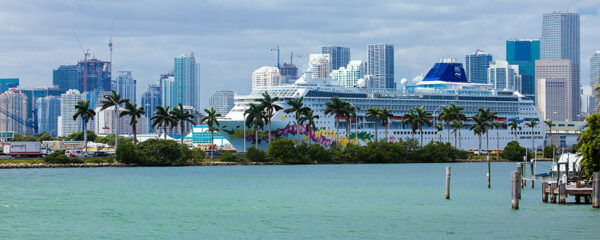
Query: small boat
pixel 567 161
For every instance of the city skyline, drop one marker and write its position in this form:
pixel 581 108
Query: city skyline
pixel 418 32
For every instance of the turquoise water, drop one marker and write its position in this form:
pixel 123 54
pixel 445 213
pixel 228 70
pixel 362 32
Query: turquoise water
pixel 394 201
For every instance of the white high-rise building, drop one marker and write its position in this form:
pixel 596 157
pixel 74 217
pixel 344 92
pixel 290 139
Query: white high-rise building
pixel 68 101
pixel 222 101
pixel 595 74
pixel 321 65
pixel 560 40
pixel 187 80
pixel 348 76
pixel 266 76
pixel 104 122
pixel 504 76
pixel 126 86
pixel 167 90
pixel 588 103
pixel 554 74
pixel 13 102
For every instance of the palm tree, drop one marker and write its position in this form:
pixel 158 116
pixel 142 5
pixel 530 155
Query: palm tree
pixel 497 126
pixel 451 113
pixel 422 120
pixel 458 125
pixel 296 107
pixel 532 124
pixel 373 113
pixel 385 115
pixel 336 107
pixel 489 116
pixel 549 123
pixel 135 113
pixel 269 108
pixel 597 90
pixel 309 119
pixel 410 118
pixel 478 128
pixel 181 117
pixel 350 114
pixel 438 129
pixel 86 114
pixel 163 119
pixel 114 100
pixel 212 123
pixel 514 126
pixel 255 118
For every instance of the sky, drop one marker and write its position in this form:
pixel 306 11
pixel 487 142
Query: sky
pixel 232 38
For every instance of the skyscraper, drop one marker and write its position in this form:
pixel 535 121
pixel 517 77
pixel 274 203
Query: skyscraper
pixel 265 77
pixel 126 86
pixel 67 77
pixel 187 80
pixel 339 56
pixel 504 76
pixel 48 110
pixel 348 76
pixel 321 65
pixel 8 83
pixel 289 73
pixel 477 64
pixel 222 101
pixel 524 52
pixel 13 102
pixel 381 64
pixel 168 93
pixel 95 76
pixel 554 74
pixel 68 101
pixel 595 75
pixel 33 94
pixel 151 99
pixel 560 40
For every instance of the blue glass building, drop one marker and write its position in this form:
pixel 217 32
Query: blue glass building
pixel 48 110
pixel 6 83
pixel 67 77
pixel 524 52
pixel 339 56
pixel 187 85
pixel 151 99
pixel 381 64
pixel 476 65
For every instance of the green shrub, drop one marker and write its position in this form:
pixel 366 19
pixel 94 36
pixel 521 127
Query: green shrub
pixel 513 151
pixel 256 155
pixel 548 150
pixel 197 155
pixel 231 157
pixel 283 150
pixel 159 152
pixel 186 153
pixel 126 153
pixel 59 157
pixel 97 160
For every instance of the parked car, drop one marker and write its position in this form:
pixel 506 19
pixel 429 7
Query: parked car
pixel 75 153
pixel 100 154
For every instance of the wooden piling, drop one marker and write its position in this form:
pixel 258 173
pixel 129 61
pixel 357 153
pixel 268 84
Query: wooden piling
pixel 596 190
pixel 519 179
pixel 544 193
pixel 552 195
pixel 532 175
pixel 515 185
pixel 447 182
pixel 488 171
pixel 562 193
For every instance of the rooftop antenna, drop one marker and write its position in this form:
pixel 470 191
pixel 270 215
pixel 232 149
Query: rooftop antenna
pixel 273 49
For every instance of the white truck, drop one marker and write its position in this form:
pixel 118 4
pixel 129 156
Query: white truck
pixel 25 149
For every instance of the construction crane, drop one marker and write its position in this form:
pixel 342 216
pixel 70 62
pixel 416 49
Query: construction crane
pixel 29 124
pixel 292 57
pixel 110 46
pixel 86 54
pixel 273 49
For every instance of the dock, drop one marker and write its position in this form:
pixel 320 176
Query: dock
pixel 562 191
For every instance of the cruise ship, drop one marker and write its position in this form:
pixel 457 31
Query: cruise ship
pixel 444 83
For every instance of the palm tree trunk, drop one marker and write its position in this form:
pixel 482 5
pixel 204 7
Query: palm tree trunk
pixel 479 153
pixel 337 128
pixel 376 131
pixel 448 128
pixel 421 130
pixel 256 137
pixel 455 137
pixel 165 131
pixel 85 138
pixel 116 127
pixel 386 133
pixel 297 132
pixel 459 139
pixel 269 131
pixel 497 142
pixel 134 135
pixel 487 140
pixel 212 143
pixel 181 128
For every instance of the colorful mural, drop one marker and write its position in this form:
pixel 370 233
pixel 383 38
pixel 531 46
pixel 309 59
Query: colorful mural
pixel 321 136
